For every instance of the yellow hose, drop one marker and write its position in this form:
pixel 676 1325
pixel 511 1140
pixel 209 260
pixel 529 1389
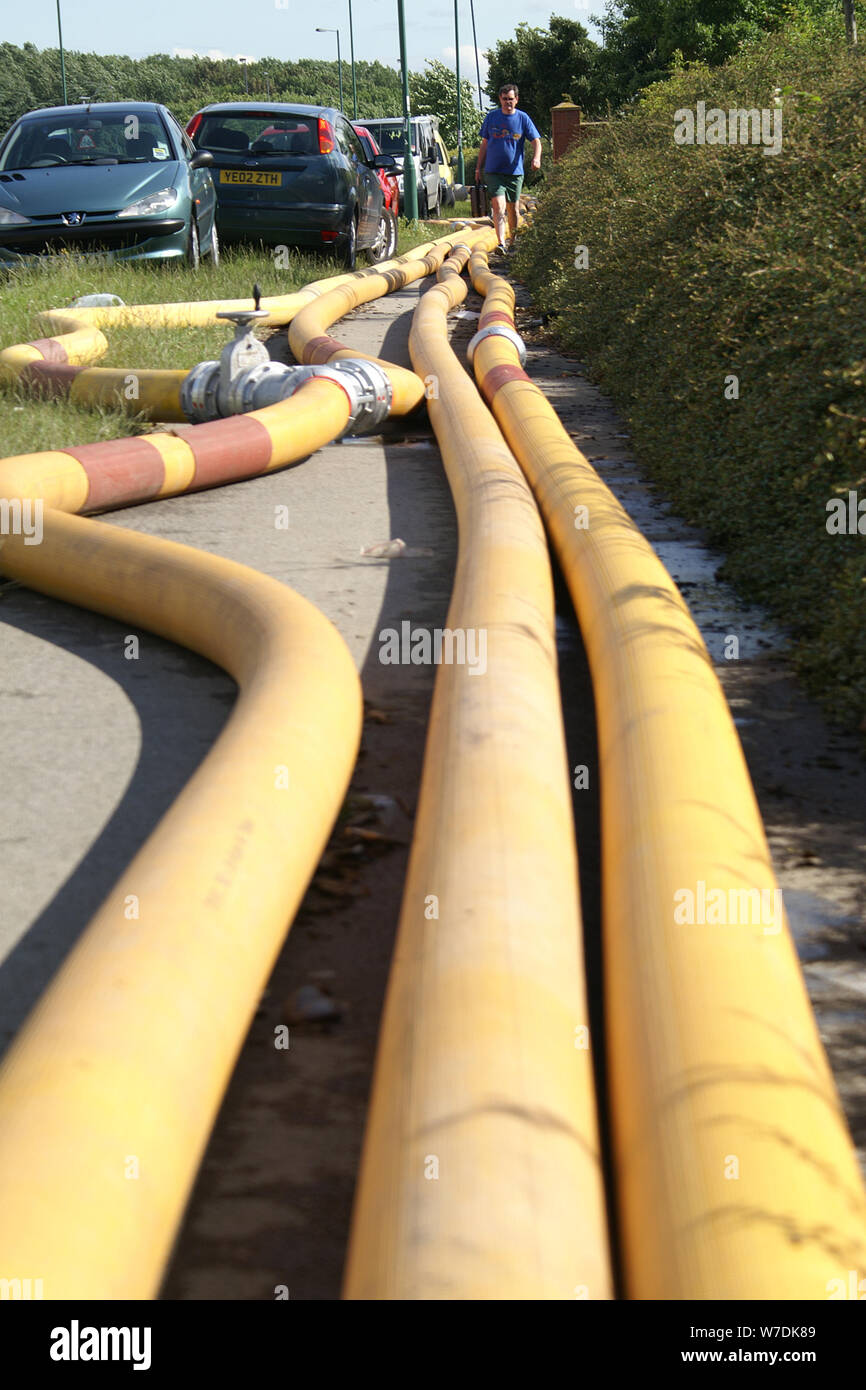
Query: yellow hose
pixel 480 1172
pixel 76 335
pixel 735 1173
pixel 109 1092
pixel 120 472
pixel 308 335
pixel 56 364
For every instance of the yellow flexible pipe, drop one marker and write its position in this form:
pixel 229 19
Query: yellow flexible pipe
pixel 121 1067
pixel 308 334
pixel 109 1092
pixel 480 1172
pixel 56 364
pixel 120 472
pixel 735 1173
pixel 76 335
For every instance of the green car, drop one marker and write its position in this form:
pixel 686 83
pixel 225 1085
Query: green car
pixel 295 176
pixel 113 179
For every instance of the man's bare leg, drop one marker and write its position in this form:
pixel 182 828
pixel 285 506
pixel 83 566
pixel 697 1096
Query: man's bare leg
pixel 513 218
pixel 497 207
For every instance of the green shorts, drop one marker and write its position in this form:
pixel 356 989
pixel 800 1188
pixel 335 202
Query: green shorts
pixel 505 186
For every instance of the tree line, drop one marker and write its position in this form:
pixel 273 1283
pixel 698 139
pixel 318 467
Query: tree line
pixel 643 41
pixel 30 78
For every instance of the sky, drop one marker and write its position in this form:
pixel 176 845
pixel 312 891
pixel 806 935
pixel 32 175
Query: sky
pixel 285 28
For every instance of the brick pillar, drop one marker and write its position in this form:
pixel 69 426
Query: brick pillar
pixel 566 126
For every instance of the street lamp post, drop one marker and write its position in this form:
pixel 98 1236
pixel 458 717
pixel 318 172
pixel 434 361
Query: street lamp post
pixel 461 167
pixel 477 64
pixel 339 59
pixel 352 49
pixel 410 181
pixel 62 61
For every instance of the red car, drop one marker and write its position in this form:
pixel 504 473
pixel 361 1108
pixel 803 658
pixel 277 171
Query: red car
pixel 388 181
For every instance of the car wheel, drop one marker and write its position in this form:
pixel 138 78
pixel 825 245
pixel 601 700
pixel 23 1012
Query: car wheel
pixel 347 250
pixel 193 254
pixel 385 244
pixel 214 247
pixel 450 196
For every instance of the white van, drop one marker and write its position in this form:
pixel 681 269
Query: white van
pixel 389 134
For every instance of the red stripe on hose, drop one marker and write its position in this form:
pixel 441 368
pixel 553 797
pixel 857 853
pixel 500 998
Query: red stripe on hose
pixel 228 450
pixel 49 378
pixel 495 316
pixel 491 382
pixel 321 349
pixel 119 471
pixel 51 350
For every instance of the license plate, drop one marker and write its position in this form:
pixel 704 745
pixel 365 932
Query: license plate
pixel 250 176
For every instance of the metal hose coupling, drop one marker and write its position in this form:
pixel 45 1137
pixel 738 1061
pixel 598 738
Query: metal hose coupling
pixel 497 330
pixel 367 385
pixel 246 379
pixel 206 395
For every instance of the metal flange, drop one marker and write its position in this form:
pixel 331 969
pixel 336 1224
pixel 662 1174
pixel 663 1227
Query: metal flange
pixel 204 395
pixel 198 393
pixel 367 385
pixel 498 330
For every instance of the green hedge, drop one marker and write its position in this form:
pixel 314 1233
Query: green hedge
pixel 707 262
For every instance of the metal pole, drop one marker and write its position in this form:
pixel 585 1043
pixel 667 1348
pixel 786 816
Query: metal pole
pixel 461 167
pixel 320 30
pixel 477 64
pixel 352 48
pixel 62 61
pixel 410 182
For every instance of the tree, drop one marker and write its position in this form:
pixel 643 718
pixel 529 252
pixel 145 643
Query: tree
pixel 546 64
pixel 644 39
pixel 30 77
pixel 15 92
pixel 435 92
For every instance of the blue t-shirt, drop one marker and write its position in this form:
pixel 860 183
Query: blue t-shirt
pixel 505 136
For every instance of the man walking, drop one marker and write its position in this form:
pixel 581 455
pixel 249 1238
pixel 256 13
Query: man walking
pixel 500 158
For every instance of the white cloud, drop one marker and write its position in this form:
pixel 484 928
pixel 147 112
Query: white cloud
pixel 467 60
pixel 215 53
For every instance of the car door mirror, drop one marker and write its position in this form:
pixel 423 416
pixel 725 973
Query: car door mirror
pixel 202 159
pixel 383 161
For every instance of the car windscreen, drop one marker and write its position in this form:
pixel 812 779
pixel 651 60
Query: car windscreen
pixel 121 138
pixel 390 138
pixel 264 134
